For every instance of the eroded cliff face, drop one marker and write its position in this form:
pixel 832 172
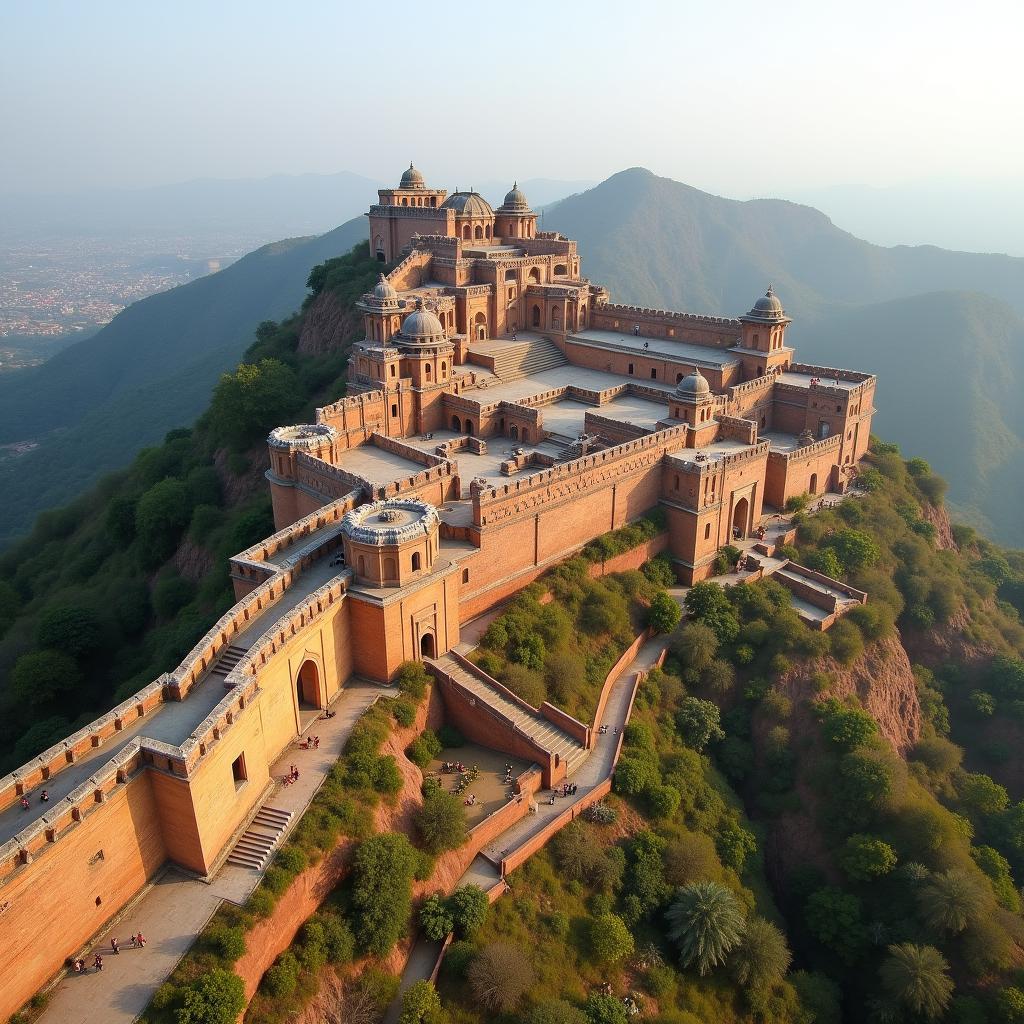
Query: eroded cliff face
pixel 327 326
pixel 881 678
pixel 939 518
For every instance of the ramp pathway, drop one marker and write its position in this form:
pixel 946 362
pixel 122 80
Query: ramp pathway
pixel 177 906
pixel 549 736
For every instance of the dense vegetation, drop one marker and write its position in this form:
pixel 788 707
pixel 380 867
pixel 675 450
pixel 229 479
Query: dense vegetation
pixel 559 637
pixel 115 588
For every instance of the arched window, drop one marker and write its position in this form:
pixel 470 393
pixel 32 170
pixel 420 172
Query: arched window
pixel 535 316
pixel 526 433
pixel 707 531
pixel 389 569
pixel 556 320
pixel 534 275
pixel 561 270
pixel 444 370
pixel 415 561
pixel 466 232
pixel 478 232
pixel 426 370
pixel 679 377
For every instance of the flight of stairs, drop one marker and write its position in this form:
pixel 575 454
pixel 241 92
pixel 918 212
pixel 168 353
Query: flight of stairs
pixel 547 735
pixel 524 358
pixel 228 660
pixel 258 841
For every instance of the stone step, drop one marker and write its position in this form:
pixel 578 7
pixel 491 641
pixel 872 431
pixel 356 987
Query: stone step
pixel 257 843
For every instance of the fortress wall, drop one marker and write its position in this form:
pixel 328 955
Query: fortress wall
pixel 50 905
pixel 666 368
pixel 713 331
pixel 615 431
pixel 789 473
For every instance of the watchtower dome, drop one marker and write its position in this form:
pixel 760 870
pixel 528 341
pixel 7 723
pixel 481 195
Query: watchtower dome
pixel 692 401
pixel 391 543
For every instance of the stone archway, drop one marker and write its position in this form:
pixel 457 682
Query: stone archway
pixel 456 424
pixel 812 487
pixel 428 649
pixel 740 515
pixel 307 686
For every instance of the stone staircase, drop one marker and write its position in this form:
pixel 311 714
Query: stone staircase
pixel 544 733
pixel 258 841
pixel 227 661
pixel 525 358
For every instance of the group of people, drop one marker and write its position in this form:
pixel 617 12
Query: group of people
pixel 44 797
pixel 137 941
pixel 602 729
pixel 817 380
pixel 292 776
pixel 448 767
pixel 312 743
pixel 567 789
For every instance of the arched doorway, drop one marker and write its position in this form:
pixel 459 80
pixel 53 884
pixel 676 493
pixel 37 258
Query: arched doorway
pixel 536 316
pixel 740 514
pixel 480 322
pixel 456 424
pixel 513 432
pixel 307 686
pixel 812 487
pixel 427 647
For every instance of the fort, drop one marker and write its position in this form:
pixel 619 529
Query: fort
pixel 501 413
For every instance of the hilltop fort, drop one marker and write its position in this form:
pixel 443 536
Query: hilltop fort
pixel 501 413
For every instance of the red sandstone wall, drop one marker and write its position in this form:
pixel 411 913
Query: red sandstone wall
pixel 50 906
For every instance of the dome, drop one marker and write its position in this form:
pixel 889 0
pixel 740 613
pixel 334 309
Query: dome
pixel 383 290
pixel 422 326
pixel 468 204
pixel 767 308
pixel 412 178
pixel 694 386
pixel 390 522
pixel 515 201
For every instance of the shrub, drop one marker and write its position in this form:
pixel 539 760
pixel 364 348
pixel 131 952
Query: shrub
pixel 735 844
pixel 435 918
pixel 412 679
pixel 71 629
pixel 41 676
pixel 865 857
pixel 424 748
pixel 556 1011
pixel 664 614
pixel 951 900
pixel 610 940
pixel 382 874
pixel 441 821
pixel 449 737
pixel 468 906
pixel 217 997
pixel 499 977
pixel 695 646
pixel 229 943
pixel 833 917
pixel 762 957
pixel 602 1009
pixel 421 1005
pixel 404 711
pixel 282 978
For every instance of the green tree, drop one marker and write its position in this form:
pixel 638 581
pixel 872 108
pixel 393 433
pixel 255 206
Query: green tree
pixel 610 939
pixel 854 548
pixel 435 918
pixel 441 821
pixel 468 906
pixel 846 727
pixel 826 561
pixel 120 519
pixel 696 645
pixel 602 1009
pixel 664 614
pixel 698 722
pixel 706 923
pixel 217 997
pixel 73 629
pixel 707 602
pixel 951 899
pixel 981 794
pixel 866 857
pixel 499 977
pixel 382 873
pixel 40 676
pixel 556 1011
pixel 421 1005
pixel 253 400
pixel 864 779
pixel 917 979
pixel 1009 1005
pixel 834 918
pixel 735 844
pixel 161 517
pixel 762 957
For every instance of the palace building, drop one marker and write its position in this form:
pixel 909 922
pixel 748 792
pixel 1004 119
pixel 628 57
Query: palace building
pixel 502 411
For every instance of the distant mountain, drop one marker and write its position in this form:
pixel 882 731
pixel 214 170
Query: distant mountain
pixel 943 329
pixel 152 368
pixel 976 218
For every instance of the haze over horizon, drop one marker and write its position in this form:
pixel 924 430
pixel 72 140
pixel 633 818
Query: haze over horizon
pixel 137 96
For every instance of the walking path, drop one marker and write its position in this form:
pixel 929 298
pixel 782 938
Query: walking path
pixel 177 906
pixel 483 871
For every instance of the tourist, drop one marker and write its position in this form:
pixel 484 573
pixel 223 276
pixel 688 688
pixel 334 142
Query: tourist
pixel 141 940
pixel 115 947
pixel 316 742
pixel 78 965
pixel 25 804
pixel 98 962
pixel 44 797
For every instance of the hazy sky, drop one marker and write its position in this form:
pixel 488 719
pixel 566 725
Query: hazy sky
pixel 735 97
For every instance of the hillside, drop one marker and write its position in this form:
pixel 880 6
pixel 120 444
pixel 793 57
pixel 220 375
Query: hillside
pixel 943 330
pixel 94 405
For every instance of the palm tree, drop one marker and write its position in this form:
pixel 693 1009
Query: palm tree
pixel 950 900
pixel 915 977
pixel 762 957
pixel 706 921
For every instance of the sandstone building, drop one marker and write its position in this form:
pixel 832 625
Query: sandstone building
pixel 502 411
